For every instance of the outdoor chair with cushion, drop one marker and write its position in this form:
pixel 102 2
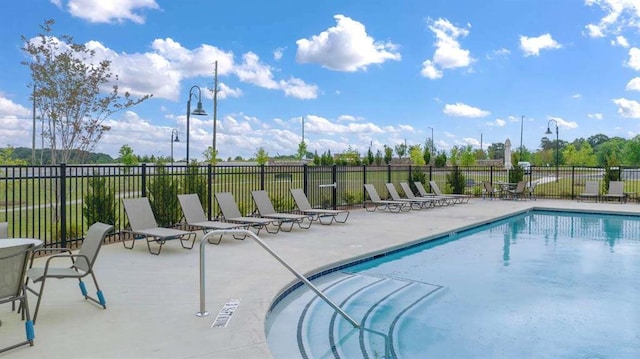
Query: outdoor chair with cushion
pixel 143 225
pixel 80 265
pixel 459 198
pixel 317 214
pixel 231 213
pixel 380 204
pixel 266 210
pixel 591 191
pixel 416 203
pixel 13 264
pixel 616 192
pixel 194 216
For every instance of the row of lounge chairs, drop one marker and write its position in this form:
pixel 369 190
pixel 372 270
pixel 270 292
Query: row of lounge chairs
pixel 143 223
pixel 412 201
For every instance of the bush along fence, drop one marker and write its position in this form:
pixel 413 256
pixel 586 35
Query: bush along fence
pixel 58 203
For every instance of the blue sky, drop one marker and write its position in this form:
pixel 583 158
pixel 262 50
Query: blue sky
pixel 360 72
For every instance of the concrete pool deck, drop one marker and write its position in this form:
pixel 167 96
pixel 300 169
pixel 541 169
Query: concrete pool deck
pixel 152 300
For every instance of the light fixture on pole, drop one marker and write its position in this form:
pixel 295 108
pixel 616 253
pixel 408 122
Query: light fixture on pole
pixel 215 108
pixel 174 138
pixel 557 143
pixel 199 111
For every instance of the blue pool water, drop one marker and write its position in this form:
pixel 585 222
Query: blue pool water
pixel 537 285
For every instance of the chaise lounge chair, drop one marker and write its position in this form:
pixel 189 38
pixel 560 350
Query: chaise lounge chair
pixel 194 216
pixel 616 189
pixel 436 201
pixel 591 191
pixel 143 225
pixel 317 214
pixel 81 266
pixel 231 213
pixel 459 198
pixel 380 204
pixel 266 210
pixel 416 203
pixel 444 200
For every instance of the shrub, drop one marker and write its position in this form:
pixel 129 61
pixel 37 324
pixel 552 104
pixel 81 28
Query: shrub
pixel 456 180
pixel 99 202
pixel 417 176
pixel 516 174
pixel 610 174
pixel 193 182
pixel 163 196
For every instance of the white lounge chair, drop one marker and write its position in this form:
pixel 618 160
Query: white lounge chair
pixel 194 216
pixel 231 213
pixel 380 204
pixel 435 200
pixel 4 230
pixel 266 210
pixel 444 200
pixel 317 214
pixel 80 266
pixel 143 225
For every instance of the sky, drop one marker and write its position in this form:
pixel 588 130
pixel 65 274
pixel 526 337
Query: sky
pixel 346 74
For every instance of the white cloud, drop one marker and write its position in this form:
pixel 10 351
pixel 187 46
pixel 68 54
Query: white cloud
pixel 634 58
pixel 633 85
pixel 448 54
pixel 471 141
pixel 224 91
pixel 9 108
pixel 562 123
pixel 345 47
pixel 531 46
pixel 595 116
pixel 576 96
pixel 500 122
pixel 620 41
pixel 627 108
pixel 109 11
pixel 619 15
pixel 463 110
pixel 499 53
pixel 277 53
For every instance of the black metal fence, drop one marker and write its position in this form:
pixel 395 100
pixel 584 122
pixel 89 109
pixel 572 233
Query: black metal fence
pixel 57 203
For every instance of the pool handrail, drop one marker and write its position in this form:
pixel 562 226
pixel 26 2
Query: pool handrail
pixel 303 279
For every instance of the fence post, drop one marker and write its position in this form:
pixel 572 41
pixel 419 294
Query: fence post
pixel 334 191
pixel 262 177
pixel 63 204
pixel 209 189
pixel 144 180
pixel 364 181
pixel 410 174
pixel 573 181
pixel 305 178
pixel 388 173
pixel 491 175
pixel 430 173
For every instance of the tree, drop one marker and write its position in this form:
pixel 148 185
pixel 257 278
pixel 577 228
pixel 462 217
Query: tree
pixel 583 156
pixel 495 151
pixel 441 159
pixel 210 157
pixel 126 156
pixel 467 156
pixel 426 155
pixel 454 155
pixel 631 152
pixel 378 158
pixel 6 157
pixel 69 83
pixel 262 157
pixel 370 157
pixel 302 150
pixel 388 154
pixel 416 155
pixel 401 150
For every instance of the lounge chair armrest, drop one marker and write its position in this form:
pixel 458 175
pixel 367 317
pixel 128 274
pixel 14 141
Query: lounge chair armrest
pixel 58 256
pixel 37 250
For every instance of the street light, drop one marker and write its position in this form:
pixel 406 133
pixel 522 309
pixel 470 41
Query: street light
pixel 174 138
pixel 199 111
pixel 557 142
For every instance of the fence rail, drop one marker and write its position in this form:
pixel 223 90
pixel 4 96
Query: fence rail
pixel 58 203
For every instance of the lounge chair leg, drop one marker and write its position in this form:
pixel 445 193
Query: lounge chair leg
pixel 101 299
pixel 83 289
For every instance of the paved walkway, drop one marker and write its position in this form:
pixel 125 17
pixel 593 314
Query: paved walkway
pixel 152 300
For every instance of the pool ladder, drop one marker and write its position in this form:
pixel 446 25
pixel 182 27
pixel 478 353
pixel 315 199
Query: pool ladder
pixel 245 232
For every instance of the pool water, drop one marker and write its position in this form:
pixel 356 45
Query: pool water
pixel 537 285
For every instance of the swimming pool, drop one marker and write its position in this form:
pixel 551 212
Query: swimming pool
pixel 539 284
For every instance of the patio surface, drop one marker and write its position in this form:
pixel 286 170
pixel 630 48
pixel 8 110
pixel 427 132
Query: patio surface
pixel 152 300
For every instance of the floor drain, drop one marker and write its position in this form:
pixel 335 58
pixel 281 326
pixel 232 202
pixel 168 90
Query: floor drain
pixel 224 316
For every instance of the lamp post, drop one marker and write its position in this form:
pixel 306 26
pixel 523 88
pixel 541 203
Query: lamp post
pixel 557 142
pixel 174 138
pixel 199 111
pixel 215 108
pixel 431 139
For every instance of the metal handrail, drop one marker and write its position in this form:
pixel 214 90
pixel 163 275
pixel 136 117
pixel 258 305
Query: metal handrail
pixel 245 232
